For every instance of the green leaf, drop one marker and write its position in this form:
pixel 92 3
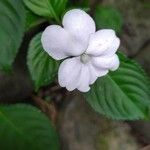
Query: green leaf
pixel 32 20
pixel 123 94
pixel 80 4
pixel 12 22
pixel 23 127
pixel 47 8
pixel 42 67
pixel 108 17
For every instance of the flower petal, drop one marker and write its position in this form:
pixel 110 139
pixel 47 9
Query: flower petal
pixel 115 63
pixel 59 44
pixel 113 47
pixel 73 74
pixel 69 73
pixel 56 42
pixel 103 42
pixel 80 25
pixel 93 73
pixel 84 79
pixel 106 62
pixel 100 71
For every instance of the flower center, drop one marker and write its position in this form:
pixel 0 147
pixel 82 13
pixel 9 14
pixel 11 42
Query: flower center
pixel 85 58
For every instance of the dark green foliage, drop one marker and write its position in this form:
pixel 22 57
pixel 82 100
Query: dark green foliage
pixel 23 127
pixel 43 68
pixel 108 17
pixel 123 94
pixel 82 4
pixel 12 22
pixel 47 8
pixel 32 20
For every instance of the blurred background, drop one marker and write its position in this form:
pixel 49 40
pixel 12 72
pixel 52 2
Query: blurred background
pixel 79 127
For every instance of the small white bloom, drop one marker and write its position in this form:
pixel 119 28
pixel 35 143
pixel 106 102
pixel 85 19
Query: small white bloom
pixel 89 54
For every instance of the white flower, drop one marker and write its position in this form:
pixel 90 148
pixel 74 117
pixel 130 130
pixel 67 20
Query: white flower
pixel 89 54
